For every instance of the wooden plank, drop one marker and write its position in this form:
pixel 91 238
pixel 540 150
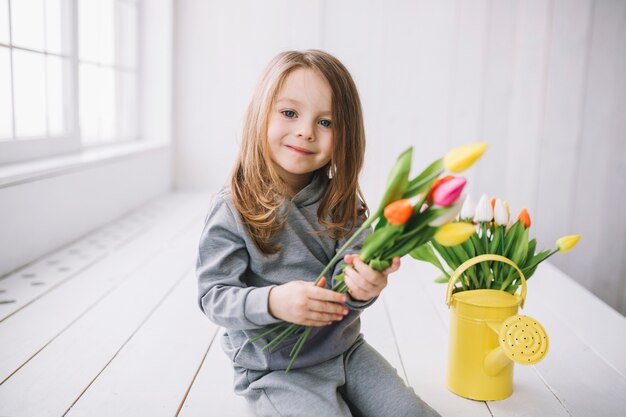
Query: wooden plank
pixel 468 72
pixel 36 279
pixel 583 381
pixel 525 121
pixel 212 392
pixel 529 389
pixel 49 383
pixel 498 86
pixel 600 167
pixel 584 314
pixel 68 261
pixel 152 372
pixel 421 339
pixel 29 330
pixel 564 105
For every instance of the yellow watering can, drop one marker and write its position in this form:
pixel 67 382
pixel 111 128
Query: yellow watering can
pixel 487 336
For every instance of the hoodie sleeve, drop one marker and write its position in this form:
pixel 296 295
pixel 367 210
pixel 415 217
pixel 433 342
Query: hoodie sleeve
pixel 222 262
pixel 354 248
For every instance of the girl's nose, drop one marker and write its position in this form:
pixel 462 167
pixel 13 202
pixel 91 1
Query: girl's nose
pixel 306 130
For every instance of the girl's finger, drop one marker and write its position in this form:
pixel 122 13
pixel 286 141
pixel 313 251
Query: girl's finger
pixel 355 286
pixel 326 307
pixel 395 265
pixel 349 258
pixel 324 294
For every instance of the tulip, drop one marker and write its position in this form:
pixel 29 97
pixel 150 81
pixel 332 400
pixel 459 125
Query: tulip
pixel 567 242
pixel 500 214
pixel 461 158
pixel 436 185
pixel 524 217
pixel 493 203
pixel 484 213
pixel 469 208
pixel 453 234
pixel 399 211
pixel 448 191
pixel 448 216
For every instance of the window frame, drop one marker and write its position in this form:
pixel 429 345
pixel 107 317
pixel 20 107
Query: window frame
pixel 28 149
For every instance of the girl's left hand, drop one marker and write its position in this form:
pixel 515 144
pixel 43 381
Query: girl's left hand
pixel 363 282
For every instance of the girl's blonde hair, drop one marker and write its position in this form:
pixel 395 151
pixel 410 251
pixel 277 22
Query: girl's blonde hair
pixel 257 189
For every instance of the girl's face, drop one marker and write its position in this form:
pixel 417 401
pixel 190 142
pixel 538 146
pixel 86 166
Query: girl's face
pixel 299 132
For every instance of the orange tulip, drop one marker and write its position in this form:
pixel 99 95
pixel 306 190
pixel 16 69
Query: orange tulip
pixel 399 211
pixel 524 217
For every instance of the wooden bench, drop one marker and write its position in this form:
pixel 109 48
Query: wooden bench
pixel 109 326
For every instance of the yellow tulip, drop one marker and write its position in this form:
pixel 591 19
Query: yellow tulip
pixel 453 234
pixel 567 242
pixel 461 158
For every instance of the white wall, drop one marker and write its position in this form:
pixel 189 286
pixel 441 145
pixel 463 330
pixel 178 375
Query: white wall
pixel 543 82
pixel 47 208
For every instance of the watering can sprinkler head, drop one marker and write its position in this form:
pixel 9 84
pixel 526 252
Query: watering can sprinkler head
pixel 522 339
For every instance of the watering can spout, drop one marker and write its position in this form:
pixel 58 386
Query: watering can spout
pixel 496 361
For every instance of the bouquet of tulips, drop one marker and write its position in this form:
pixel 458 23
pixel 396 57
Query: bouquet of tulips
pixel 411 213
pixel 496 233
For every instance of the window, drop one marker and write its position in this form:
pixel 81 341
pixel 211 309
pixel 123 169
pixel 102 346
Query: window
pixel 68 75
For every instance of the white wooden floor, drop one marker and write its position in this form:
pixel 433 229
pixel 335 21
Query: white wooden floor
pixel 109 326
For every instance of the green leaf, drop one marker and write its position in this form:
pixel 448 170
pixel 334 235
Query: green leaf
pixel 445 254
pixel 426 253
pixel 398 179
pixel 424 180
pixel 379 239
pixel 521 248
pixel 442 279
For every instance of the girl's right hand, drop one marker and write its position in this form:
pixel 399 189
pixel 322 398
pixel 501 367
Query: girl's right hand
pixel 300 302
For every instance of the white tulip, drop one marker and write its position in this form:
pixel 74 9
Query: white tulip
pixel 484 213
pixel 469 208
pixel 500 213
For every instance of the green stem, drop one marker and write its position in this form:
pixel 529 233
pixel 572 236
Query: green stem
pixel 367 223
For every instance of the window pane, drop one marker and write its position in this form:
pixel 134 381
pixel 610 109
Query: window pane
pixel 89 103
pixel 4 21
pixel 96 31
pixel 29 78
pixel 6 114
pixel 56 10
pixel 88 30
pixel 106 44
pixel 107 104
pixel 127 36
pixel 27 23
pixel 127 105
pixel 56 95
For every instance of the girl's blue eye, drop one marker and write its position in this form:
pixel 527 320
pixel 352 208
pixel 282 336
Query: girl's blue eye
pixel 289 113
pixel 325 123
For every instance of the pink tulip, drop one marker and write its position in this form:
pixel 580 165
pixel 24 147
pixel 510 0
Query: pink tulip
pixel 448 191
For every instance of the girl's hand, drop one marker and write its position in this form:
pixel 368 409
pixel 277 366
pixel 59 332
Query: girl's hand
pixel 302 303
pixel 363 282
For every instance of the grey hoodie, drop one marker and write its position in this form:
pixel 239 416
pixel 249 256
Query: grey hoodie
pixel 235 278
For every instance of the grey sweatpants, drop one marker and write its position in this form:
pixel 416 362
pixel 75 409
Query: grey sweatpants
pixel 358 383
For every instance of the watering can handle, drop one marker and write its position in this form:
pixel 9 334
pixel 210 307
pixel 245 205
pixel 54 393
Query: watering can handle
pixel 476 260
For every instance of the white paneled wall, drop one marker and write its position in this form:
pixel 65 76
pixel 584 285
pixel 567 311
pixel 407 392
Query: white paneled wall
pixel 543 82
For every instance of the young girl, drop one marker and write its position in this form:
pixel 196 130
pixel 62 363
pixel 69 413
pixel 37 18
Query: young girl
pixel 293 199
